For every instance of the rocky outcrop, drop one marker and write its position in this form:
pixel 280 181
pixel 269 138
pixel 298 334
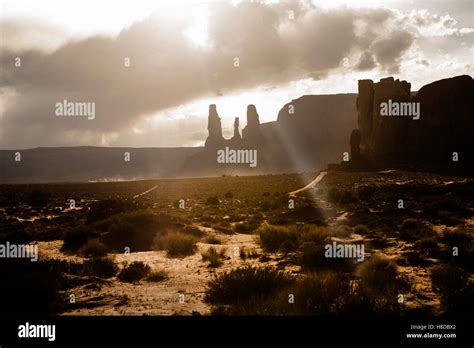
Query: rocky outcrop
pixel 251 134
pixel 236 141
pixel 355 144
pixel 310 132
pixel 214 126
pixel 444 126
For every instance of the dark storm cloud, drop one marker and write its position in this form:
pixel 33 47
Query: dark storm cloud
pixel 272 44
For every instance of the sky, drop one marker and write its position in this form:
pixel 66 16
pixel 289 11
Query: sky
pixel 184 55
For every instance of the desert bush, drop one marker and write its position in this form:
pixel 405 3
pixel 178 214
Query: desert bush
pixel 312 255
pixel 321 293
pixel 248 254
pixel 288 246
pixel 381 284
pixel 213 256
pixel 177 244
pixel 458 237
pixel 342 231
pixel 343 197
pixel 104 267
pixel 361 229
pixel 135 229
pixel 157 276
pixel 29 287
pixel 77 237
pixel 279 220
pixel 272 237
pixel 93 248
pixel 211 240
pixel 449 280
pixel 413 229
pixel 213 200
pixel 316 234
pixel 244 285
pixel 266 205
pixel 246 227
pixel 289 238
pixel 366 193
pixel 134 272
pixel 409 226
pixel 427 243
pixel 106 208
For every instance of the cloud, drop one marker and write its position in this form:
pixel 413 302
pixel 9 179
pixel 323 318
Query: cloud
pixel 389 50
pixel 166 69
pixel 366 62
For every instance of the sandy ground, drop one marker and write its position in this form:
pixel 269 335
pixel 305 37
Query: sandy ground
pixel 186 276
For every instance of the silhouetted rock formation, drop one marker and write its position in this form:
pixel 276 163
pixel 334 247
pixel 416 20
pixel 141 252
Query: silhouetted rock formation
pixel 310 132
pixel 355 144
pixel 382 134
pixel 445 125
pixel 236 141
pixel 251 134
pixel 215 138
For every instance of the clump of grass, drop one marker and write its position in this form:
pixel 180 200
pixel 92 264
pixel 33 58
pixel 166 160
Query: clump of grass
pixel 213 200
pixel 266 205
pixel 342 231
pixel 213 256
pixel 290 238
pixel 156 276
pixel 77 237
pixel 247 227
pixel 366 193
pixel 176 244
pixel 426 243
pixel 409 225
pixel 229 195
pixel 381 283
pixel 134 229
pixel 212 240
pixel 361 229
pixel 413 229
pixel 457 238
pixel 272 237
pixel 93 248
pixel 449 280
pixel 134 272
pixel 104 267
pixel 321 294
pixel 341 197
pixel 247 286
pixel 248 254
pixel 288 246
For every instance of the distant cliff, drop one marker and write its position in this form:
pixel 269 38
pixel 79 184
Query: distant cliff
pixel 309 132
pixel 89 163
pixel 441 138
